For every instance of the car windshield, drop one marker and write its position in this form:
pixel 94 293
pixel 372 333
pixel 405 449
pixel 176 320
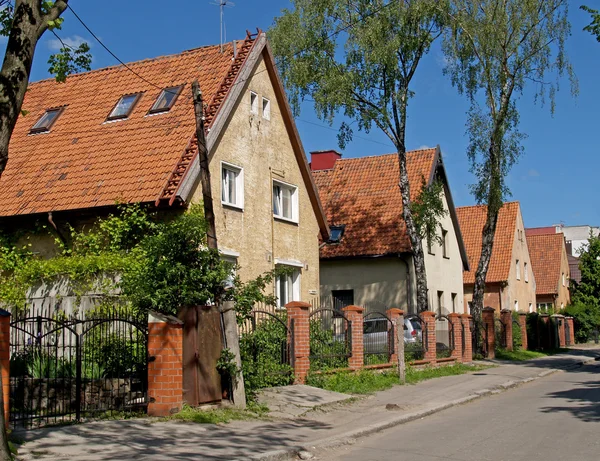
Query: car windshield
pixel 416 325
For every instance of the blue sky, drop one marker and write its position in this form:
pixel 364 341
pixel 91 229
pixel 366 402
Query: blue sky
pixel 554 181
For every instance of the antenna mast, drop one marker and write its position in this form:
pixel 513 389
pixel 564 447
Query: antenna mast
pixel 222 4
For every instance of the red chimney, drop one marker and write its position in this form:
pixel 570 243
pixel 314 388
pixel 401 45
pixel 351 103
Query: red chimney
pixel 323 159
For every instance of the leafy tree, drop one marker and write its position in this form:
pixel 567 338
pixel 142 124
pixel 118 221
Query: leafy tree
pixel 594 26
pixel 24 22
pixel 359 57
pixel 493 48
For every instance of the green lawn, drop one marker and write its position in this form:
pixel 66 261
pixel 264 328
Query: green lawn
pixel 369 381
pixel 219 415
pixel 521 355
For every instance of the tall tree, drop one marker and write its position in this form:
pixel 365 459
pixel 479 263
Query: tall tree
pixel 24 22
pixel 493 49
pixel 359 57
pixel 594 26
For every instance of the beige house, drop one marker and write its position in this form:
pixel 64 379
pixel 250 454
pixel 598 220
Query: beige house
pixel 108 135
pixel 510 282
pixel 368 260
pixel 550 265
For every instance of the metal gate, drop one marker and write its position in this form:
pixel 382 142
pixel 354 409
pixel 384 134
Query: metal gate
pixel 265 346
pixel 444 333
pixel 65 369
pixel 415 338
pixel 479 338
pixel 330 334
pixel 517 335
pixel 378 338
pixel 567 333
pixel 500 332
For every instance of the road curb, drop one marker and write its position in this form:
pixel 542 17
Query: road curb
pixel 350 437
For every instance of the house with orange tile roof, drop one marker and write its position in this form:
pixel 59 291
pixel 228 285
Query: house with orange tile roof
pixel 368 259
pixel 550 265
pixel 127 134
pixel 510 281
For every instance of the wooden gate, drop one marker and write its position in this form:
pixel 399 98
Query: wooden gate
pixel 202 346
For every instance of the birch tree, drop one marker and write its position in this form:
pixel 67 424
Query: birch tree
pixel 359 58
pixel 494 50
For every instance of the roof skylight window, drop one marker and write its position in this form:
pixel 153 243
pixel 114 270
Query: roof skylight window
pixel 124 107
pixel 336 233
pixel 46 121
pixel 166 99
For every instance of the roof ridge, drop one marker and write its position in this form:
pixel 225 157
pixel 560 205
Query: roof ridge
pixel 387 154
pixel 131 63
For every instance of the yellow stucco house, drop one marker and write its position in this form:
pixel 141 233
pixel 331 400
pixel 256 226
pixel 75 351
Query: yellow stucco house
pixel 127 134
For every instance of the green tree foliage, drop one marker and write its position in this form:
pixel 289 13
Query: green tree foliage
pixel 493 49
pixel 585 295
pixel 594 26
pixel 359 58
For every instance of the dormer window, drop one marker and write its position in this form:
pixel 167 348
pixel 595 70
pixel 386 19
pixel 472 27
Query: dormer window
pixel 46 121
pixel 124 107
pixel 336 233
pixel 166 99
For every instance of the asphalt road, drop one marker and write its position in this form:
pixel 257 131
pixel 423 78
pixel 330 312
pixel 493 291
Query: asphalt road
pixel 554 418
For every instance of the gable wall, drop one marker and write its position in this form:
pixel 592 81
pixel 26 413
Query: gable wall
pixel 263 149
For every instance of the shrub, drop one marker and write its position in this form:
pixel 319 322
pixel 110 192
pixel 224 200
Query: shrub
pixel 586 318
pixel 516 332
pixel 327 351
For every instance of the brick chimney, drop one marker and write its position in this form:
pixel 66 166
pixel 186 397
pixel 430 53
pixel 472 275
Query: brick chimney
pixel 323 159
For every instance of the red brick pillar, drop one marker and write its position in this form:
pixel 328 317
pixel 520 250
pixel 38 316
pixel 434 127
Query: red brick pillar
pixel 560 322
pixel 487 317
pixel 429 329
pixel 5 360
pixel 299 313
pixel 569 320
pixel 467 353
pixel 397 317
pixel 506 318
pixel 355 315
pixel 544 329
pixel 457 352
pixel 523 325
pixel 165 367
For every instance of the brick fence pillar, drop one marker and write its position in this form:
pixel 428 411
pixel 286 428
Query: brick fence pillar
pixel 456 323
pixel 487 317
pixel 165 367
pixel 355 315
pixel 506 318
pixel 298 326
pixel 5 360
pixel 397 317
pixel 560 323
pixel 467 353
pixel 569 321
pixel 428 318
pixel 523 325
pixel 544 332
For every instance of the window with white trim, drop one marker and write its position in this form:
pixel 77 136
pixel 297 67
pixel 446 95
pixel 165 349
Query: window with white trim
pixel 232 185
pixel 526 272
pixel 518 270
pixel 564 282
pixel 230 278
pixel 440 296
pixel 287 286
pixel 285 201
pixel 266 107
pixel 453 303
pixel 444 243
pixel 530 308
pixel 516 306
pixel 253 103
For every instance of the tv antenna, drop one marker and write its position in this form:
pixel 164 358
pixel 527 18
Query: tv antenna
pixel 222 4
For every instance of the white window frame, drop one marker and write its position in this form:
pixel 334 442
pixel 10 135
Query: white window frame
pixel 292 280
pixel 440 299
pixel 239 186
pixel 516 306
pixel 518 273
pixel 526 272
pixel 266 108
pixel 294 201
pixel 253 103
pixel 445 243
pixel 231 258
pixel 563 279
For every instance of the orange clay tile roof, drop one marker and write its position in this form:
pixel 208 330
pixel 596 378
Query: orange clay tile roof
pixel 85 161
pixel 545 252
pixel 472 219
pixel 540 231
pixel 363 194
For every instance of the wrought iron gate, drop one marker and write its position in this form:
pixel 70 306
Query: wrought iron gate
pixel 479 338
pixel 415 338
pixel 330 334
pixel 378 338
pixel 444 336
pixel 65 369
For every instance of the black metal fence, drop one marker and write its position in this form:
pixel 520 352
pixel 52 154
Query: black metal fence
pixel 266 349
pixel 444 334
pixel 500 332
pixel 330 336
pixel 68 369
pixel 479 338
pixel 378 338
pixel 415 338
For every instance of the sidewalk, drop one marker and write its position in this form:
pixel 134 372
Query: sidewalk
pixel 282 439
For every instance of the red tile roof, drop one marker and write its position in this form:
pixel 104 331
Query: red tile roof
pixel 545 252
pixel 540 231
pixel 85 161
pixel 363 194
pixel 472 220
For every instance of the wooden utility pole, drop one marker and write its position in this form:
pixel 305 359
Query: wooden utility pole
pixel 207 201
